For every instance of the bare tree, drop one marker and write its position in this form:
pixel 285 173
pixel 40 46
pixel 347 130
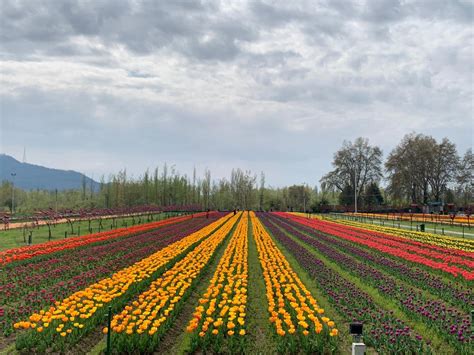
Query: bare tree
pixel 419 169
pixel 355 165
pixel 444 168
pixel 465 178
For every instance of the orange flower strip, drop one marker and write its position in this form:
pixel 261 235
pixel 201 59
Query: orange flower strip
pixel 74 313
pixel 222 308
pixel 140 324
pixel 297 318
pixel 31 251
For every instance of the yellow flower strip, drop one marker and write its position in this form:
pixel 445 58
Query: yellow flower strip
pixel 301 214
pixel 146 314
pixel 416 217
pixel 286 293
pixel 73 312
pixel 221 309
pixel 429 238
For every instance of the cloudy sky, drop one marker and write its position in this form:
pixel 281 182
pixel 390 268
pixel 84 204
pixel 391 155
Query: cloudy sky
pixel 101 85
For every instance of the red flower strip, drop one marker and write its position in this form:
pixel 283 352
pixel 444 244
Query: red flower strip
pixel 392 246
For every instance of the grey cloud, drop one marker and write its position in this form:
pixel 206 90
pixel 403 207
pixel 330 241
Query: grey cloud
pixel 148 26
pixel 271 15
pixel 144 27
pixel 383 11
pixel 221 83
pixel 390 11
pixel 178 131
pixel 454 10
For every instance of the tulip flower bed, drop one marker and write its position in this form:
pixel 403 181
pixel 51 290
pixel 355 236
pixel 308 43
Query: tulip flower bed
pixel 466 245
pixel 78 314
pixel 184 286
pixel 458 294
pixel 298 320
pixel 31 251
pixel 384 331
pixel 140 325
pixel 218 321
pixel 419 217
pixel 26 286
pixel 448 261
pixel 452 323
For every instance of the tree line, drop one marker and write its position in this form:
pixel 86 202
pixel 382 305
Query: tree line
pixel 418 170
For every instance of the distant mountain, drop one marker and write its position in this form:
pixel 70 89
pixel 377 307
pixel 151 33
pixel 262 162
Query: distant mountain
pixel 32 177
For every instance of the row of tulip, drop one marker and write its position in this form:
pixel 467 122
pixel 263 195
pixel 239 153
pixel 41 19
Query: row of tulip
pixel 451 323
pixel 451 255
pixel 28 252
pixel 218 322
pixel 458 294
pixel 306 215
pixel 382 330
pixel 466 245
pixel 298 320
pixel 419 217
pixel 26 287
pixel 448 263
pixel 140 325
pixel 78 314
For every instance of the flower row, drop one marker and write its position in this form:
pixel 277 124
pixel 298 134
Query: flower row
pixel 419 217
pixel 25 287
pixel 220 315
pixel 458 294
pixel 28 252
pixel 83 308
pixel 451 323
pixel 454 256
pixel 466 245
pixel 297 319
pixel 382 330
pixel 139 325
pixel 388 244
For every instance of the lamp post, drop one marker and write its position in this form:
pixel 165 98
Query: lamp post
pixel 356 330
pixel 13 192
pixel 304 198
pixel 355 189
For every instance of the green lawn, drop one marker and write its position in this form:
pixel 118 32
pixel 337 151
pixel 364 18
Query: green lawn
pixel 19 237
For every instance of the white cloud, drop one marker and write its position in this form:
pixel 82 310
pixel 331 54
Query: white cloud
pixel 273 86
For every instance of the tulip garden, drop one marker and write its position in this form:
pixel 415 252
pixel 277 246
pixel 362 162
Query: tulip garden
pixel 239 283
